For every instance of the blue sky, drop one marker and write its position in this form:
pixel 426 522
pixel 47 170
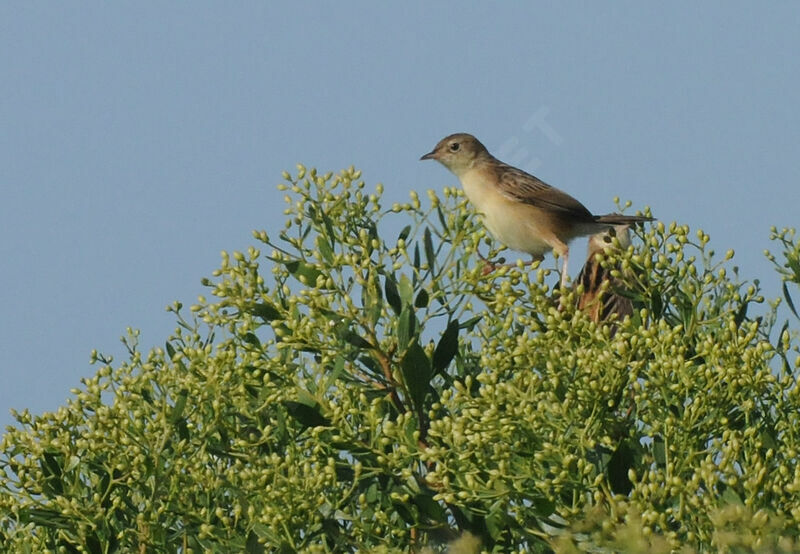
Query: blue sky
pixel 138 140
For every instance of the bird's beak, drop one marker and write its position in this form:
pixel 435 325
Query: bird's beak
pixel 429 156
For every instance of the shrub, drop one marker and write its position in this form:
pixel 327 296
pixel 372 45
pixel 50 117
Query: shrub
pixel 351 391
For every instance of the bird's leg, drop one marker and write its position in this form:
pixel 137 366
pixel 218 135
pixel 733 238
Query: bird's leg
pixel 489 265
pixel 563 251
pixel 482 257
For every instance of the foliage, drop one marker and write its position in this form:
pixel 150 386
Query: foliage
pixel 350 391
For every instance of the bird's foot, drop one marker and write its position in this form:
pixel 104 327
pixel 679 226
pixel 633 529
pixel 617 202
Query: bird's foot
pixel 489 265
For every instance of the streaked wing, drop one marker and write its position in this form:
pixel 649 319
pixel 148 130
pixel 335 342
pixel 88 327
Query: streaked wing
pixel 601 306
pixel 524 187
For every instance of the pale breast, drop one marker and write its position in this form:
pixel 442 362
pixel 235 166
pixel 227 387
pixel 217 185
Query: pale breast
pixel 519 226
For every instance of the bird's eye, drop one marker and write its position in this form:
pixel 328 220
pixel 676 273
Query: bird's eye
pixel 454 147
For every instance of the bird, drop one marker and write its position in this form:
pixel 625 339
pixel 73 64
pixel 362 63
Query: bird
pixel 520 210
pixel 599 300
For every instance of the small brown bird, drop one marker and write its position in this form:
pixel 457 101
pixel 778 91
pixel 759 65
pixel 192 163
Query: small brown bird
pixel 600 298
pixel 521 211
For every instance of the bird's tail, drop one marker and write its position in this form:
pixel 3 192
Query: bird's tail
pixel 619 219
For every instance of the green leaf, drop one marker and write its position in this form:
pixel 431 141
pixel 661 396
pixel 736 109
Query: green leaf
pixel 422 299
pixel 406 327
pixel 253 546
pixel 430 508
pixel 403 511
pixel 656 304
pixel 442 219
pixel 392 294
pixel 306 232
pixel 305 414
pixel 659 452
pixel 51 464
pixel 180 404
pixel 52 519
pixel 372 493
pixel 325 249
pixel 92 545
pixel 729 496
pixel 789 299
pixel 495 523
pixel 303 272
pixel 355 339
pixel 768 439
pixel 262 530
pixel 741 313
pixel 372 229
pixel 736 418
pixel 370 365
pixel 406 289
pixel 333 373
pixel 447 347
pixel 430 255
pixel 543 506
pixel 328 226
pixel 621 461
pixel 182 428
pixel 372 300
pixel 469 324
pixel 265 311
pixel 416 369
pixel 404 233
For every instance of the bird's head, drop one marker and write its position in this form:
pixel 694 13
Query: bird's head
pixel 604 240
pixel 457 152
